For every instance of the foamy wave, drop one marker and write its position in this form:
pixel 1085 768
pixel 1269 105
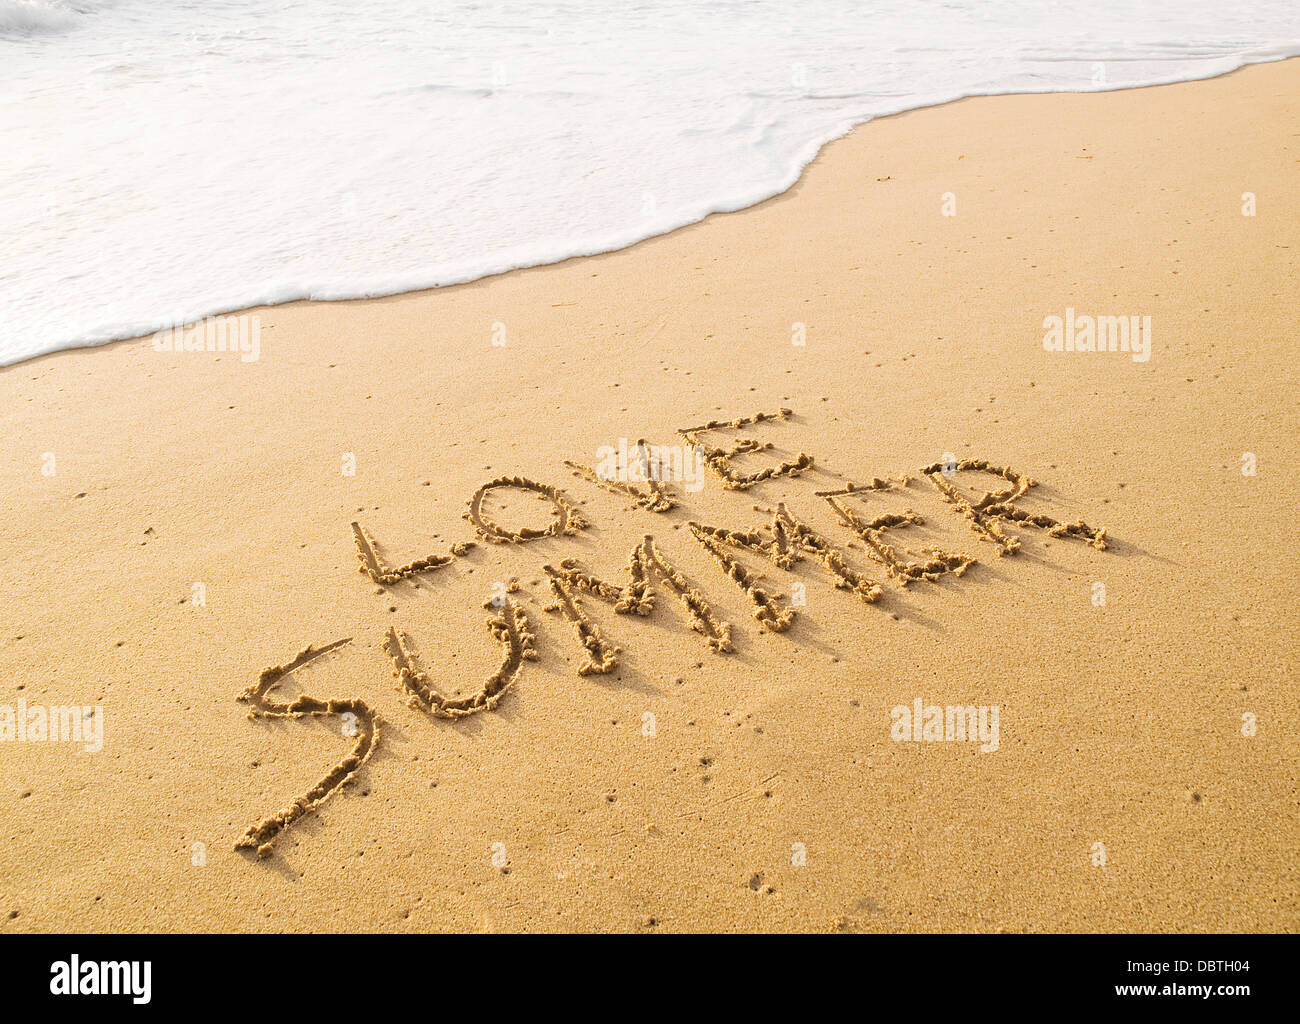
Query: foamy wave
pixel 169 159
pixel 30 17
pixel 27 18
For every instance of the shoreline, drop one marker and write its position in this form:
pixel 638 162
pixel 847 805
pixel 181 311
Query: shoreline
pixel 817 150
pixel 179 553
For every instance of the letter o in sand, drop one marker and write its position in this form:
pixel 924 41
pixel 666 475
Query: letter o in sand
pixel 565 518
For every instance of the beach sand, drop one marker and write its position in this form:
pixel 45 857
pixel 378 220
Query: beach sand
pixel 177 522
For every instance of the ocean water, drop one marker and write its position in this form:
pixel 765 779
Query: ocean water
pixel 163 160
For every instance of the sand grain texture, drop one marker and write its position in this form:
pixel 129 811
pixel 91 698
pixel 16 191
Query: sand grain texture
pixel 678 790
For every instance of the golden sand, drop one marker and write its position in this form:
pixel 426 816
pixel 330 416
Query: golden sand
pixel 1093 552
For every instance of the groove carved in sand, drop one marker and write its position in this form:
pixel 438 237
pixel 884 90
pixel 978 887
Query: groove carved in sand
pixel 766 610
pixel 871 531
pixel 509 627
pixel 372 564
pixel 654 498
pixel 566 519
pixel 987 513
pixel 601 653
pixel 786 541
pixel 719 459
pixel 645 563
pixel 260 837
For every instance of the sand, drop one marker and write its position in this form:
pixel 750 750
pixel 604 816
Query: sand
pixel 723 755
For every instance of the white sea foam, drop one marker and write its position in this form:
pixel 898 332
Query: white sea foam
pixel 168 159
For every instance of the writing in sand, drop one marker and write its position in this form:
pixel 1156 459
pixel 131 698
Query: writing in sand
pixel 784 540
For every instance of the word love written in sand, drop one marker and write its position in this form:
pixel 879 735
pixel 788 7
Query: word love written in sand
pixel 784 541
